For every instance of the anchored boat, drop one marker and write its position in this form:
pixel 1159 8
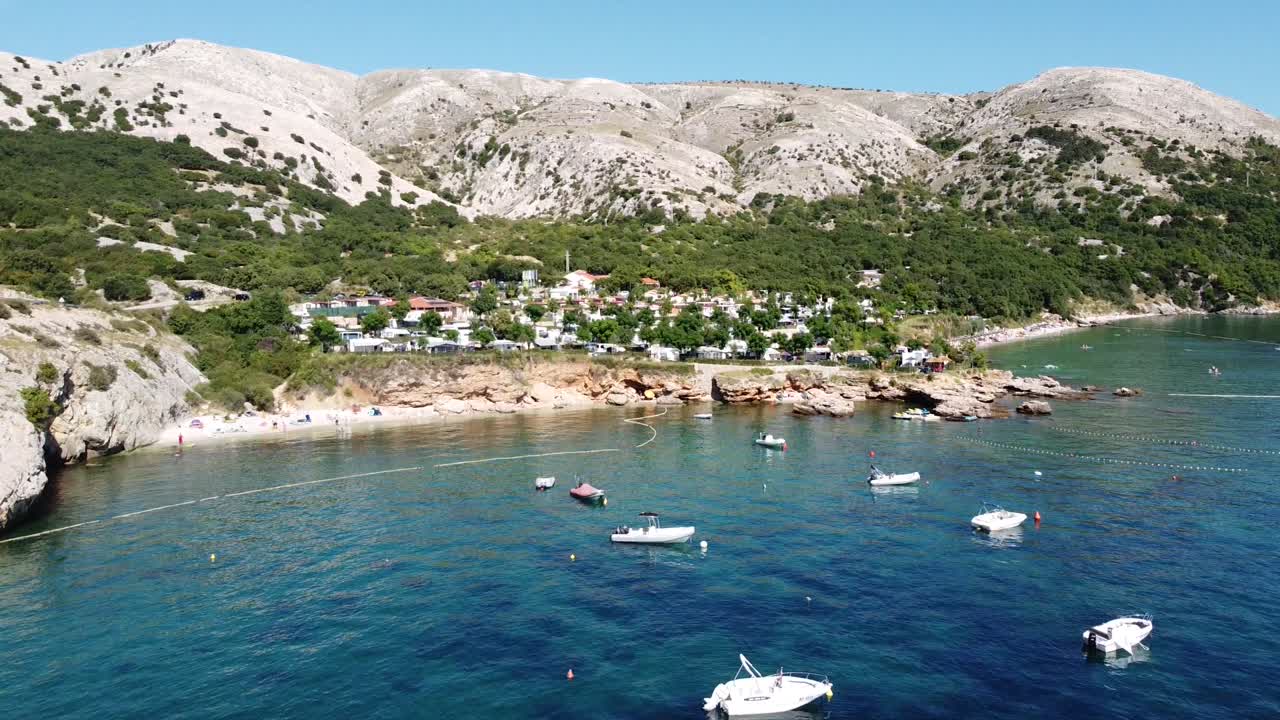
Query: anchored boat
pixel 1124 633
pixel 750 693
pixel 544 483
pixel 994 518
pixel 653 533
pixel 769 441
pixel 585 492
pixel 878 477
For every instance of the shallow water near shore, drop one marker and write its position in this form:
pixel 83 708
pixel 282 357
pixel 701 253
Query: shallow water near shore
pixel 449 592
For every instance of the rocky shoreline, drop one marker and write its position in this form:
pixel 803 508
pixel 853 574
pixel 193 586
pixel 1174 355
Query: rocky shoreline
pixel 948 395
pixel 138 411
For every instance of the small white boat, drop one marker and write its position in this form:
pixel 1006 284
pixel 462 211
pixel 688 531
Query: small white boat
pixel 1124 633
pixel 915 414
pixel 769 441
pixel 750 693
pixel 653 533
pixel 879 477
pixel 1086 348
pixel 996 518
pixel 544 483
pixel 702 416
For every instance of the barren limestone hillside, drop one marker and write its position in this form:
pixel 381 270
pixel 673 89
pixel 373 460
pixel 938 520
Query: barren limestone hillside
pixel 516 146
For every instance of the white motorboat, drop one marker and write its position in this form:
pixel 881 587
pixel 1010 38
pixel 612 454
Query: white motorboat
pixel 1124 633
pixel 879 477
pixel 995 518
pixel 702 416
pixel 750 693
pixel 916 414
pixel 544 483
pixel 653 533
pixel 769 441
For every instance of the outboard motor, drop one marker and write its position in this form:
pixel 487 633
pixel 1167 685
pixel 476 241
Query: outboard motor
pixel 719 695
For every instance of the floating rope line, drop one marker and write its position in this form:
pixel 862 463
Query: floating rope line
pixel 1096 458
pixel 635 421
pixel 1213 395
pixel 1161 441
pixel 523 457
pixel 652 429
pixel 1196 334
pixel 211 498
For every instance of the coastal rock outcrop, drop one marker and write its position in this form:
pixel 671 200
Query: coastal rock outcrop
pixel 456 386
pixel 747 387
pixel 822 402
pixel 22 472
pixel 1035 407
pixel 112 383
pixel 835 393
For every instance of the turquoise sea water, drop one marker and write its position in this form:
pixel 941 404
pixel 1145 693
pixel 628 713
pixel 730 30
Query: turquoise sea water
pixel 449 592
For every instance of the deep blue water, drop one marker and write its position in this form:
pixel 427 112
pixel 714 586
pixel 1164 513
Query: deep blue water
pixel 449 592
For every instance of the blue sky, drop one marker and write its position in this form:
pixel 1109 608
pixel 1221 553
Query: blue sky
pixel 1226 46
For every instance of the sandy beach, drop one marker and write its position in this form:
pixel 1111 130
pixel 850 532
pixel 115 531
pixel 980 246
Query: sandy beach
pixel 209 427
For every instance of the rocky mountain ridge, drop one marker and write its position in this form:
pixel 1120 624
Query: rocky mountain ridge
pixel 515 145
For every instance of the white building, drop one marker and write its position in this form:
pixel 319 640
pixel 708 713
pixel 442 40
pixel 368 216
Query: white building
pixel 663 354
pixel 366 345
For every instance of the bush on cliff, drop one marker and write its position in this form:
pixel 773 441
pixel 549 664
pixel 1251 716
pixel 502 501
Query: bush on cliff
pixel 101 376
pixel 40 409
pixel 47 374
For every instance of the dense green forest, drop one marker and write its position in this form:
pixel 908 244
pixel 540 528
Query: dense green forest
pixel 1216 243
pixel 60 191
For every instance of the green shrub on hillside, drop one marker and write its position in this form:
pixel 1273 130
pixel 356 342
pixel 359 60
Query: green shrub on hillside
pixel 137 368
pixel 101 376
pixel 47 374
pixel 1073 148
pixel 126 287
pixel 40 408
pixel 87 335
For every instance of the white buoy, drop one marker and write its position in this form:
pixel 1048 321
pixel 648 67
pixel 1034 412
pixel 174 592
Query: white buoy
pixel 703 545
pixel 1037 473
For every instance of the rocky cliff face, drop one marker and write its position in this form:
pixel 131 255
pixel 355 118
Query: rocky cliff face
pixel 114 383
pixel 515 145
pixel 525 383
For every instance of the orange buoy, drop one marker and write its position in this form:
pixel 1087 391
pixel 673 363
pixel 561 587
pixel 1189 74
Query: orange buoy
pixel 1037 517
pixel 873 453
pixel 569 675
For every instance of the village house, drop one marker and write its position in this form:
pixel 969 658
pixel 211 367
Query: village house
pixel 870 279
pixel 452 312
pixel 366 345
pixel 908 358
